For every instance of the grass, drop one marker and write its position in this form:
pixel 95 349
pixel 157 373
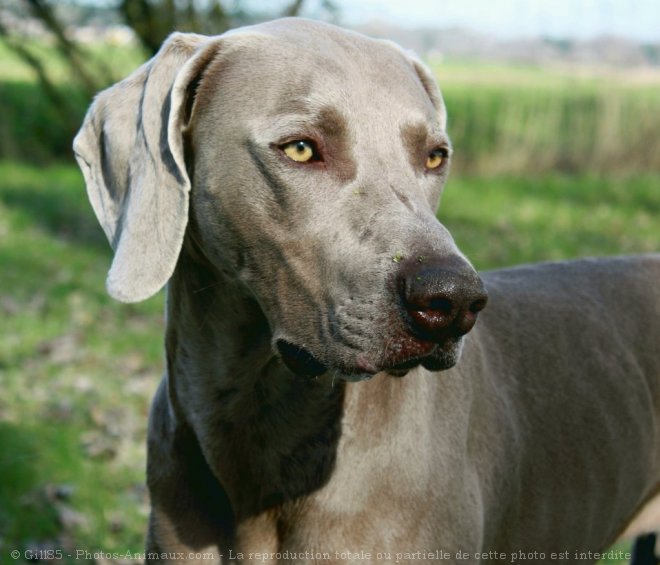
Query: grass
pixel 504 119
pixel 77 373
pixel 497 129
pixel 32 128
pixel 556 77
pixel 78 370
pixel 519 220
pixel 521 119
pixel 118 60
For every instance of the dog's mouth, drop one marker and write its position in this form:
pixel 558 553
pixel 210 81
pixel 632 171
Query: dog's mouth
pixel 302 363
pixel 397 362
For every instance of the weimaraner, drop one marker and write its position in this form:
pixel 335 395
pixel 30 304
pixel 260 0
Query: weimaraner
pixel 284 179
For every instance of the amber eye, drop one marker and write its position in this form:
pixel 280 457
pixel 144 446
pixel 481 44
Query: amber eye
pixel 300 151
pixel 436 158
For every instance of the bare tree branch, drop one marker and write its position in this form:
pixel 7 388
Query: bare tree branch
pixel 154 20
pixel 139 16
pixel 58 101
pixel 294 8
pixel 65 46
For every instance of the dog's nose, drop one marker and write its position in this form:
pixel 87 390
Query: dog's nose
pixel 441 297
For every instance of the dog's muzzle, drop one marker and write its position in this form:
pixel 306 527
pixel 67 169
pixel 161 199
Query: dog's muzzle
pixel 435 303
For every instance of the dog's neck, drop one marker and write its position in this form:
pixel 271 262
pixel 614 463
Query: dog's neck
pixel 268 436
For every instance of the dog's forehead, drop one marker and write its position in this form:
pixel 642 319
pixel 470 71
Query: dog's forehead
pixel 314 39
pixel 295 59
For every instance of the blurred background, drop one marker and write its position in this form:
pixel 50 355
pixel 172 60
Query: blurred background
pixel 555 118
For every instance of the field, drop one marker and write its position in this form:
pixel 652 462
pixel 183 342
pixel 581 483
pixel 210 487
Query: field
pixel 521 120
pixel 542 173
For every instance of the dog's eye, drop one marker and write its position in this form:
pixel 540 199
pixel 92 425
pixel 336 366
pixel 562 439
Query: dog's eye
pixel 300 151
pixel 436 158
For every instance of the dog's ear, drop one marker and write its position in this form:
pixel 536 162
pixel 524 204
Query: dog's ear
pixel 426 78
pixel 430 86
pixel 131 152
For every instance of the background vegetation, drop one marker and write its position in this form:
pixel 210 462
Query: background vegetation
pixel 549 165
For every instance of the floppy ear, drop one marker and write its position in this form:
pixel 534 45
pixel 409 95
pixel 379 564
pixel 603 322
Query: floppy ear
pixel 130 150
pixel 431 86
pixel 427 79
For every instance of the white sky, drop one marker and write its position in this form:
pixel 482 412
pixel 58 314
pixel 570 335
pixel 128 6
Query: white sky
pixel 637 19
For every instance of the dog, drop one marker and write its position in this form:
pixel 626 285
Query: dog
pixel 330 396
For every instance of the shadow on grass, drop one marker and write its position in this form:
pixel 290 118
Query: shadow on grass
pixel 22 508
pixel 53 199
pixel 32 128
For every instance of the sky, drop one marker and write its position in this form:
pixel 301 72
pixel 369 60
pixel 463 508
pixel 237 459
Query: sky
pixel 581 19
pixel 558 19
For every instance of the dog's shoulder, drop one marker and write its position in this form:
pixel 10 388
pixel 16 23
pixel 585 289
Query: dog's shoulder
pixel 619 295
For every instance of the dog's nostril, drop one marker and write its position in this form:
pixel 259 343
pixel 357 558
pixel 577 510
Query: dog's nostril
pixel 440 304
pixel 478 305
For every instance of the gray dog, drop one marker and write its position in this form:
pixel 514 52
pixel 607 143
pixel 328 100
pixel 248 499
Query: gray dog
pixel 284 179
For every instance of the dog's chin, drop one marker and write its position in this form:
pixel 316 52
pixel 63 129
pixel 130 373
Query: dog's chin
pixel 303 363
pixel 442 357
pixel 441 361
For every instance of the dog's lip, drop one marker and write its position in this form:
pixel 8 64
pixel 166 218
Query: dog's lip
pixel 300 361
pixel 402 355
pixel 354 377
pixel 407 352
pixel 395 369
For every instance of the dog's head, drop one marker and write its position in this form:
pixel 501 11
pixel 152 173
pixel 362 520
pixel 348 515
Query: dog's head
pixel 316 159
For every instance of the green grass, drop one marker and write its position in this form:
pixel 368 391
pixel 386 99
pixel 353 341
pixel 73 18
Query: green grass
pixel 78 370
pixel 523 119
pixel 118 60
pixel 558 77
pixel 510 220
pixel 503 119
pixel 497 129
pixel 32 128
